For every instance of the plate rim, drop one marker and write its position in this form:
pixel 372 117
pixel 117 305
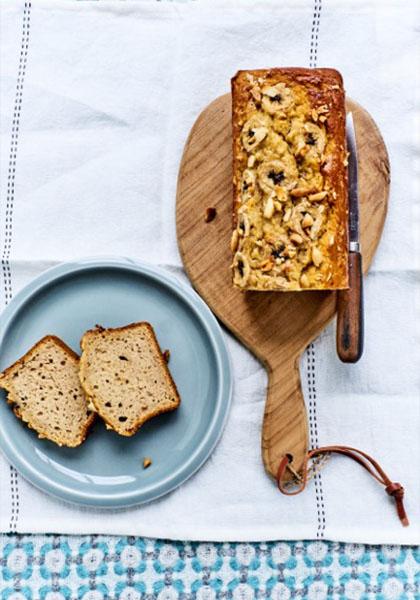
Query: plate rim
pixel 217 424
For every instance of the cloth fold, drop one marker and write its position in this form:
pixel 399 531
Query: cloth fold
pixel 97 100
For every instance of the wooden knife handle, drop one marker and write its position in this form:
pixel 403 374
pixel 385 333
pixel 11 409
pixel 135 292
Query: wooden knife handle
pixel 350 328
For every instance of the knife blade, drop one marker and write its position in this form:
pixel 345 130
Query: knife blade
pixel 350 321
pixel 353 185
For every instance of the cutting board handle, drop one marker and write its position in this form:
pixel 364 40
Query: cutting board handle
pixel 284 415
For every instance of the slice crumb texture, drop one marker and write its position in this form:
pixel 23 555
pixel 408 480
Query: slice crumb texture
pixel 126 377
pixel 45 391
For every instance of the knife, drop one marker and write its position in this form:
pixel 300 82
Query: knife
pixel 350 327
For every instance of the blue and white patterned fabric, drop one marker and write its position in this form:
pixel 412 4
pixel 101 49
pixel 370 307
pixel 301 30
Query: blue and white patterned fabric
pixel 107 568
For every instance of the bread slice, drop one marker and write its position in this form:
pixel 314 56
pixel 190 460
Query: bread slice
pixel 125 376
pixel 44 388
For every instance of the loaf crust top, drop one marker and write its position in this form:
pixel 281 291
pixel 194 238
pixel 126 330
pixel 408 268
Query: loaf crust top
pixel 290 207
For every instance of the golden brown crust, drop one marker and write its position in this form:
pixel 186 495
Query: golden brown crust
pixel 276 108
pixel 4 384
pixel 90 392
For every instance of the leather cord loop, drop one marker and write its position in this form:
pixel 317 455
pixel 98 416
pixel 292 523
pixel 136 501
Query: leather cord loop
pixel 395 490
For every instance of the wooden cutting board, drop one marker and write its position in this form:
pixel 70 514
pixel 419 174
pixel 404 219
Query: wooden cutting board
pixel 277 327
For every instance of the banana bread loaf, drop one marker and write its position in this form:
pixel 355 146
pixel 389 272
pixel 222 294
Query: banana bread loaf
pixel 290 209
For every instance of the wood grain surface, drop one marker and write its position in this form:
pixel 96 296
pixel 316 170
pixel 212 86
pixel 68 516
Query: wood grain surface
pixel 275 326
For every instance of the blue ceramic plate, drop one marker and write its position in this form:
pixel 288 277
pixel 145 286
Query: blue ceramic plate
pixel 107 469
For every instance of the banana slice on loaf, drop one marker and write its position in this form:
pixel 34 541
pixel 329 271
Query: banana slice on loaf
pixel 44 388
pixel 125 376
